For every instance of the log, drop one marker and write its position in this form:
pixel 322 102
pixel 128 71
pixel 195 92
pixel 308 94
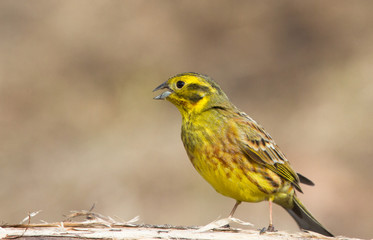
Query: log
pixel 96 226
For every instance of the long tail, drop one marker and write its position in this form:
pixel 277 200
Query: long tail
pixel 304 218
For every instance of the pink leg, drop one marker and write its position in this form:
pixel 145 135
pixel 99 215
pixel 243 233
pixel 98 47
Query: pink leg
pixel 234 208
pixel 270 227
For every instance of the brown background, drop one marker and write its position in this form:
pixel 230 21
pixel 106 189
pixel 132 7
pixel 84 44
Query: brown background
pixel 78 124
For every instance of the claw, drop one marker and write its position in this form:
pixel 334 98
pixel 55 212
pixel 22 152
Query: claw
pixel 270 228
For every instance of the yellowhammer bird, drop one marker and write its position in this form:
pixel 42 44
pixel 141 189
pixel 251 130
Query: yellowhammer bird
pixel 232 152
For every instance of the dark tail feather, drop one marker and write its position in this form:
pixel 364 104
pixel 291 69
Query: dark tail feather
pixel 305 220
pixel 305 180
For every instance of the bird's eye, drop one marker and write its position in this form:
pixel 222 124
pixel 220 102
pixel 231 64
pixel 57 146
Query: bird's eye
pixel 180 84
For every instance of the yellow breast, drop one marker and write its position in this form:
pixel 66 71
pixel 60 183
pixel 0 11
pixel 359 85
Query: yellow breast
pixel 215 154
pixel 232 177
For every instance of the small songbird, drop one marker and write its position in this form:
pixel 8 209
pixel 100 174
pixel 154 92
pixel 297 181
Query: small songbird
pixel 232 152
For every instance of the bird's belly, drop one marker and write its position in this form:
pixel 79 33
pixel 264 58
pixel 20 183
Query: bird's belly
pixel 233 180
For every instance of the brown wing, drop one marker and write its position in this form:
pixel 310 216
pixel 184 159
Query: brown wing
pixel 258 146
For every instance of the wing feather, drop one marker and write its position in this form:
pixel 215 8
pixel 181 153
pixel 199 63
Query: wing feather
pixel 258 146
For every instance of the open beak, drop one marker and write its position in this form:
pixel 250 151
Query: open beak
pixel 164 94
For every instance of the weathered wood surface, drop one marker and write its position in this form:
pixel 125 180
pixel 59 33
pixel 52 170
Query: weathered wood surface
pixel 69 231
pixel 96 226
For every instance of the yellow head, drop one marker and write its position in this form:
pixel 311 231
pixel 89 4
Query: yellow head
pixel 192 93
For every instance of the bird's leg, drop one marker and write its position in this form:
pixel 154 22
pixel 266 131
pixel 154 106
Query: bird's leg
pixel 232 212
pixel 270 227
pixel 234 208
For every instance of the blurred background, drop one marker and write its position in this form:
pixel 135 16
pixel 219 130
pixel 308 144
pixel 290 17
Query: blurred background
pixel 78 124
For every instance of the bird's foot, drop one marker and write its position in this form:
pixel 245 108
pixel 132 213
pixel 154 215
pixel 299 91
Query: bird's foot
pixel 270 228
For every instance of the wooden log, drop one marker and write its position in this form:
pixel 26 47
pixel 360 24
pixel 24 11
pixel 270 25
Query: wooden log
pixel 62 231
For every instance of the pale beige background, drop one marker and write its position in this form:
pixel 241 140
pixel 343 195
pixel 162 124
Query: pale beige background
pixel 78 124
